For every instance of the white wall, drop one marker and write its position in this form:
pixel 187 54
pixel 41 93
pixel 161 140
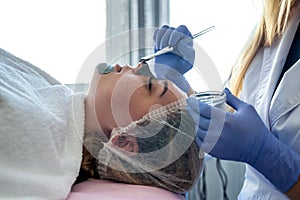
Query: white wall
pixel 55 35
pixel 233 21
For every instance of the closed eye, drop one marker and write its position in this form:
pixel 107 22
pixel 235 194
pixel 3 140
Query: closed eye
pixel 149 86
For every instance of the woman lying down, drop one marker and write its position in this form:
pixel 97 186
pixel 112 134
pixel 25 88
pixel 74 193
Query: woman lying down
pixel 131 128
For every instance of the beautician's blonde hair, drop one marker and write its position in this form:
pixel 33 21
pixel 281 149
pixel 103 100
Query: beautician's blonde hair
pixel 272 24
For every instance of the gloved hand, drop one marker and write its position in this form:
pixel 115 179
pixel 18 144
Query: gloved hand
pixel 242 136
pixel 174 64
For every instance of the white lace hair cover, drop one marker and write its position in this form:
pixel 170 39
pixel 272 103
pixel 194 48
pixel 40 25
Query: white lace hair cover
pixel 167 156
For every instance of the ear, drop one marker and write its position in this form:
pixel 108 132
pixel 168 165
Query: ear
pixel 126 142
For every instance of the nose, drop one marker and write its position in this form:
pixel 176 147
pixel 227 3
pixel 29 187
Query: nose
pixel 118 68
pixel 137 68
pixel 144 70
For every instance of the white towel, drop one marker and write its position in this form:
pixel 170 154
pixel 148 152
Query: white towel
pixel 41 131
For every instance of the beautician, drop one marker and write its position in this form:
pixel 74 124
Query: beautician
pixel 263 131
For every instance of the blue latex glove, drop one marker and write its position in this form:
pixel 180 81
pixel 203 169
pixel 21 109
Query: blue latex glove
pixel 242 136
pixel 174 64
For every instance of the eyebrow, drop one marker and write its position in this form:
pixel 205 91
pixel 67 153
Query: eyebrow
pixel 165 89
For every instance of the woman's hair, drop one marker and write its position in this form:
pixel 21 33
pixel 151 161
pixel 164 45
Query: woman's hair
pixel 176 173
pixel 88 169
pixel 272 24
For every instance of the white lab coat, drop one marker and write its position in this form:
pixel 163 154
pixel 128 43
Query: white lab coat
pixel 279 111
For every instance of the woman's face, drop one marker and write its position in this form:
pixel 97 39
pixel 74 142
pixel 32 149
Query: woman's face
pixel 123 96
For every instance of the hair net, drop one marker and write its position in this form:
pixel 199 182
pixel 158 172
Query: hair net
pixel 158 150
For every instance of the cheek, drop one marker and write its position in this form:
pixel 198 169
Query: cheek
pixel 126 102
pixel 140 103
